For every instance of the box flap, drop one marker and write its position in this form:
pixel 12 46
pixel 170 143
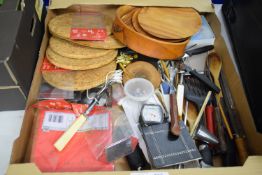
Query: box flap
pixel 200 5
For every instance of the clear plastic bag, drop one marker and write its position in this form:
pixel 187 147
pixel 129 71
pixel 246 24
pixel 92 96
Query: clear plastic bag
pixel 79 155
pixel 123 140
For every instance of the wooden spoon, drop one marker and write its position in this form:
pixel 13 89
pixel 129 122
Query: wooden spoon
pixel 215 65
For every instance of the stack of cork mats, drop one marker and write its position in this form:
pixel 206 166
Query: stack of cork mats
pixel 80 64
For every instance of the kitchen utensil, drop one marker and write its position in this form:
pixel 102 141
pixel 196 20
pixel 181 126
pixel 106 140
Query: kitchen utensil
pixel 203 134
pixel 169 23
pixel 112 77
pixel 175 128
pixel 215 65
pixel 193 72
pixel 206 154
pixel 210 118
pixel 180 97
pixel 191 52
pixel 186 113
pixel 220 131
pixel 203 78
pixel 200 113
pixel 138 89
pixel 234 120
pixel 195 91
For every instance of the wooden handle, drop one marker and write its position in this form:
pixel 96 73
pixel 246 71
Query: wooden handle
pixel 220 131
pixel 175 128
pixel 224 118
pixel 210 119
pixel 242 149
pixel 180 98
pixel 199 116
pixel 69 133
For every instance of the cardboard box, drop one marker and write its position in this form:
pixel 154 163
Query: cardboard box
pixel 21 149
pixel 20 38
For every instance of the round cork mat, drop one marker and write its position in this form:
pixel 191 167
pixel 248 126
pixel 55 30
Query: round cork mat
pixel 109 43
pixel 71 50
pixel 61 25
pixel 78 80
pixel 79 64
pixel 142 69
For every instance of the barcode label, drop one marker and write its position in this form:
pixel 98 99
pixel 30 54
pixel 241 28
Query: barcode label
pixel 57 121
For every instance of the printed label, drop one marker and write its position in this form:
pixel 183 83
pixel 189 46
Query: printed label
pixel 59 121
pixel 88 26
pixel 47 66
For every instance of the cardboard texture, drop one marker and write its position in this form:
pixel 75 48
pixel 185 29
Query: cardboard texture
pixel 21 148
pixel 200 5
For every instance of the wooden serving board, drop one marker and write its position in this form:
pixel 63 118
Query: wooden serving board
pixel 169 23
pixel 127 18
pixel 135 22
pixel 139 29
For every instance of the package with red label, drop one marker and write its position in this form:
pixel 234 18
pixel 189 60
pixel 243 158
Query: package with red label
pixel 81 153
pixel 88 26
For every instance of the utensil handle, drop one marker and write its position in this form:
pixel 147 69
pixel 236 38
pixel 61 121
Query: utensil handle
pixel 199 116
pixel 199 50
pixel 180 99
pixel 205 80
pixel 220 131
pixel 224 118
pixel 175 128
pixel 210 119
pixel 242 149
pixel 69 133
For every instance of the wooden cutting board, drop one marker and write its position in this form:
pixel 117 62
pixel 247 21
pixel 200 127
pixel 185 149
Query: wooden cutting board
pixel 169 23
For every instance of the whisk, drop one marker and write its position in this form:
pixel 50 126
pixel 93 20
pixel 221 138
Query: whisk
pixel 111 78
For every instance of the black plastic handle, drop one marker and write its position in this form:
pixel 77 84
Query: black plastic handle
pixel 206 154
pixel 205 80
pixel 199 50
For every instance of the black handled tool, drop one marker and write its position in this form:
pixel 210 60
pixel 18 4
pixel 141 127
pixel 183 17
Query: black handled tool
pixel 197 51
pixel 194 73
pixel 201 77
